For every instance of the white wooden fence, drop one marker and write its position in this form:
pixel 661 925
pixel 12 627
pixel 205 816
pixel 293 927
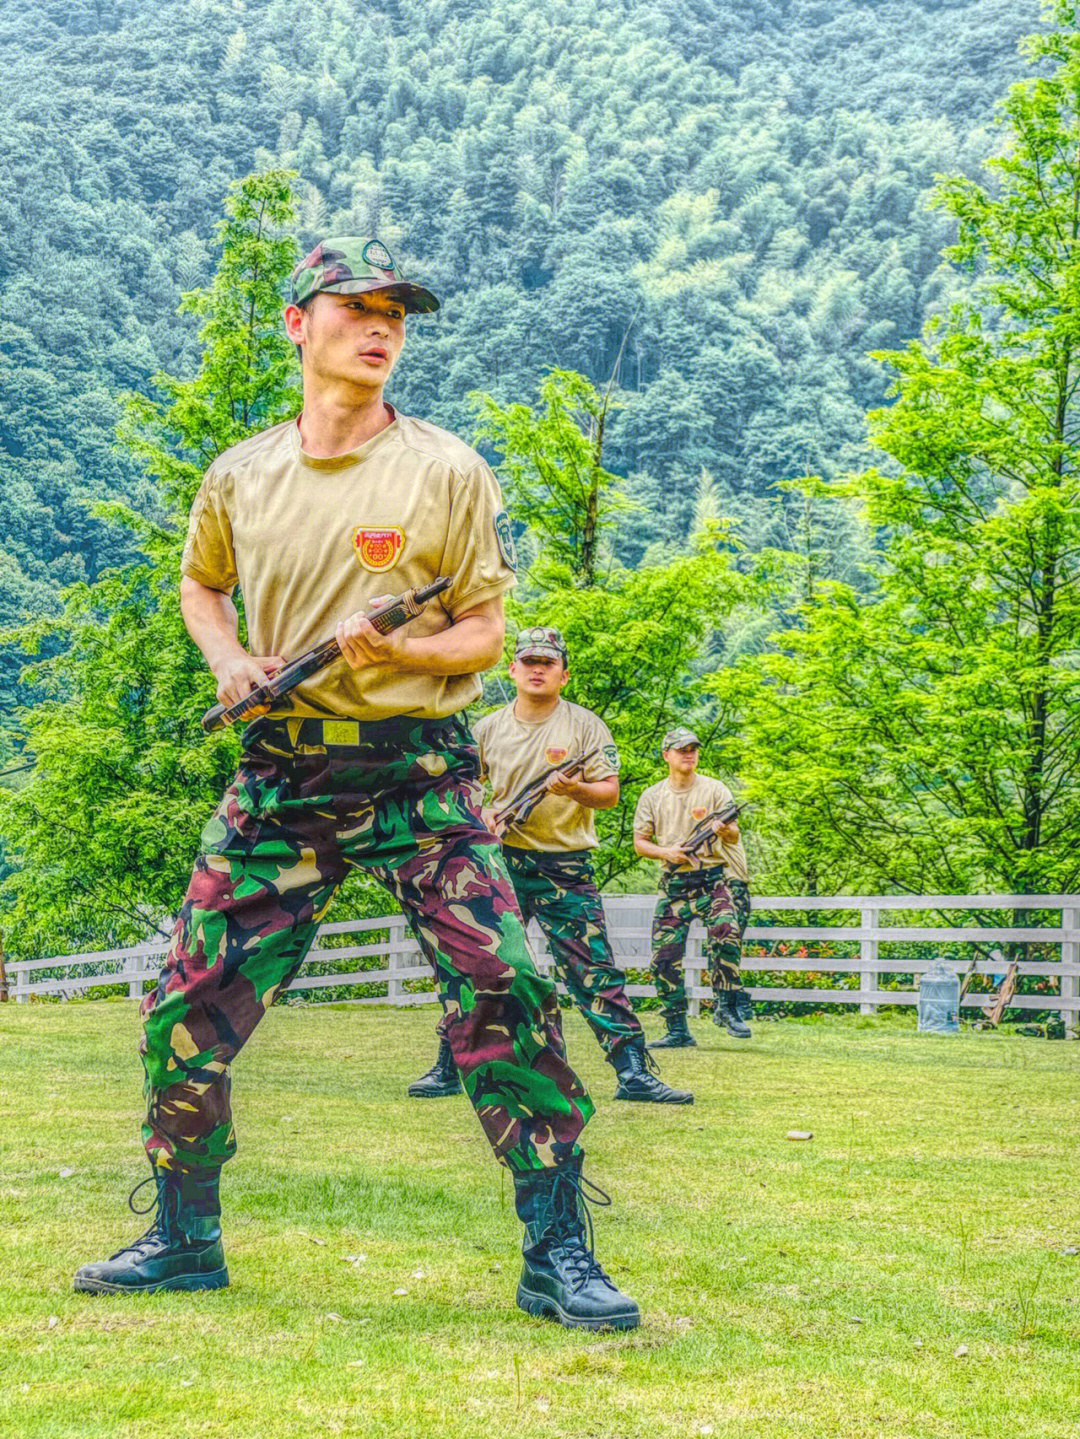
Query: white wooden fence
pixel 883 950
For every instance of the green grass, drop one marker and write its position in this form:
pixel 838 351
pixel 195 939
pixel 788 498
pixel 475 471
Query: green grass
pixel 789 1289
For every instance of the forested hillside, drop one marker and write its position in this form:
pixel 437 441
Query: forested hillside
pixel 740 182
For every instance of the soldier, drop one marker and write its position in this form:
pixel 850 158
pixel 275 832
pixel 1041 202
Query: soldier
pixel 693 887
pixel 368 765
pixel 548 853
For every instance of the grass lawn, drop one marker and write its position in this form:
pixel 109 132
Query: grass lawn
pixel 902 1274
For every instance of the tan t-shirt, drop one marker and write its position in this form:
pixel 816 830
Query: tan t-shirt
pixel 669 816
pixel 311 541
pixel 514 752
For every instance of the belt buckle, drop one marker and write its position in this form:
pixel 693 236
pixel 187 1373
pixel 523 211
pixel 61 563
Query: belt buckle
pixel 341 732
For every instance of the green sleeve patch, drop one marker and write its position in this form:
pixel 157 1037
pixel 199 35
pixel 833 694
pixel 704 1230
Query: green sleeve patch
pixel 504 535
pixel 611 755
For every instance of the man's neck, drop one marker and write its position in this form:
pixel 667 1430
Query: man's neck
pixel 681 782
pixel 534 708
pixel 335 423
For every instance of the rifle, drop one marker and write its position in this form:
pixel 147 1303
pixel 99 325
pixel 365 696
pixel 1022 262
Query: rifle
pixel 390 615
pixel 518 809
pixel 703 834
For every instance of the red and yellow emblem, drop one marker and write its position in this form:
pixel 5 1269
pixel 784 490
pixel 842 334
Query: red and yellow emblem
pixel 699 811
pixel 554 755
pixel 378 549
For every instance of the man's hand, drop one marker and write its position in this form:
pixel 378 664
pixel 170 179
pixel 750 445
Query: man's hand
pixel 729 833
pixel 237 675
pixel 563 784
pixel 488 816
pixel 362 644
pixel 675 854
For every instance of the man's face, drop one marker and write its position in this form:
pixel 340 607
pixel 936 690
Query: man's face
pixel 682 761
pixel 538 675
pixel 350 339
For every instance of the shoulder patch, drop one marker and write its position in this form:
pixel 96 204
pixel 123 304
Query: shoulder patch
pixel 611 755
pixel 504 535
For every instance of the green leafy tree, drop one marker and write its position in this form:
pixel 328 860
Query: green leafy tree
pixel 933 730
pixel 101 833
pixel 552 463
pixel 635 636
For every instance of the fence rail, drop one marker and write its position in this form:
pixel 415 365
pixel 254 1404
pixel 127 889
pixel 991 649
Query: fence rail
pixel 880 949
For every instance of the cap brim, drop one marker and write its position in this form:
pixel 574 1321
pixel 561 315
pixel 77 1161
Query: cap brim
pixel 415 298
pixel 543 652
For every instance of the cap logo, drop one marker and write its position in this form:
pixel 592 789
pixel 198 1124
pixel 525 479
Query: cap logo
pixel 377 256
pixel 378 550
pixel 554 754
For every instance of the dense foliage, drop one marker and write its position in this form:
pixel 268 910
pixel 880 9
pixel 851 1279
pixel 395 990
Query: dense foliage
pixel 667 238
pixel 926 735
pixel 738 185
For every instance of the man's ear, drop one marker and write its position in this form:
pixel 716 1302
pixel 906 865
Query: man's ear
pixel 294 323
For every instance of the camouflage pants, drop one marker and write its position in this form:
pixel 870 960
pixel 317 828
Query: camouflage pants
pixel 740 898
pixel 559 889
pixel 703 895
pixel 402 804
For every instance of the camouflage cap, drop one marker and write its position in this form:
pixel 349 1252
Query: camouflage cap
pixel 353 265
pixel 679 738
pixel 541 640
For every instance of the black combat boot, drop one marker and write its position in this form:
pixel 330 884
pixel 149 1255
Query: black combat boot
pixel 561 1278
pixel 678 1034
pixel 442 1078
pixel 744 1005
pixel 726 1014
pixel 638 1080
pixel 181 1249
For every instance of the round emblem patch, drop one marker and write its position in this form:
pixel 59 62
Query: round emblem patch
pixel 377 255
pixel 699 811
pixel 378 550
pixel 555 755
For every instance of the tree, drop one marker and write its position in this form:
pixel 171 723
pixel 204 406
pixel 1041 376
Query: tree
pixel 634 636
pixel 552 462
pixel 101 833
pixel 934 728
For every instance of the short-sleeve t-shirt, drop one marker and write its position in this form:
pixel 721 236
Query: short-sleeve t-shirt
pixel 311 541
pixel 668 816
pixel 514 752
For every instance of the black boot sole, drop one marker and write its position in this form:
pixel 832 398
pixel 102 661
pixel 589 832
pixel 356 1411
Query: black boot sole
pixel 216 1279
pixel 651 1099
pixel 435 1093
pixel 540 1306
pixel 668 1043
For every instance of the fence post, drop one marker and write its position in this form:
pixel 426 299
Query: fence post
pixel 396 930
pixel 3 974
pixel 135 985
pixel 22 986
pixel 1070 983
pixel 868 955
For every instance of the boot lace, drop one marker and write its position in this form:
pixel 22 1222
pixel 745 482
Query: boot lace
pixel 575 1240
pixel 157 1232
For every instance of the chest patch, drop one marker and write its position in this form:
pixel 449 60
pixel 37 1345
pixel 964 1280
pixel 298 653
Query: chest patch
pixel 699 811
pixel 378 549
pixel 555 754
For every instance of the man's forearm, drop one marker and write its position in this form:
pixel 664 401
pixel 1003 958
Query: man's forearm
pixel 471 645
pixel 211 620
pixel 594 794
pixel 647 849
